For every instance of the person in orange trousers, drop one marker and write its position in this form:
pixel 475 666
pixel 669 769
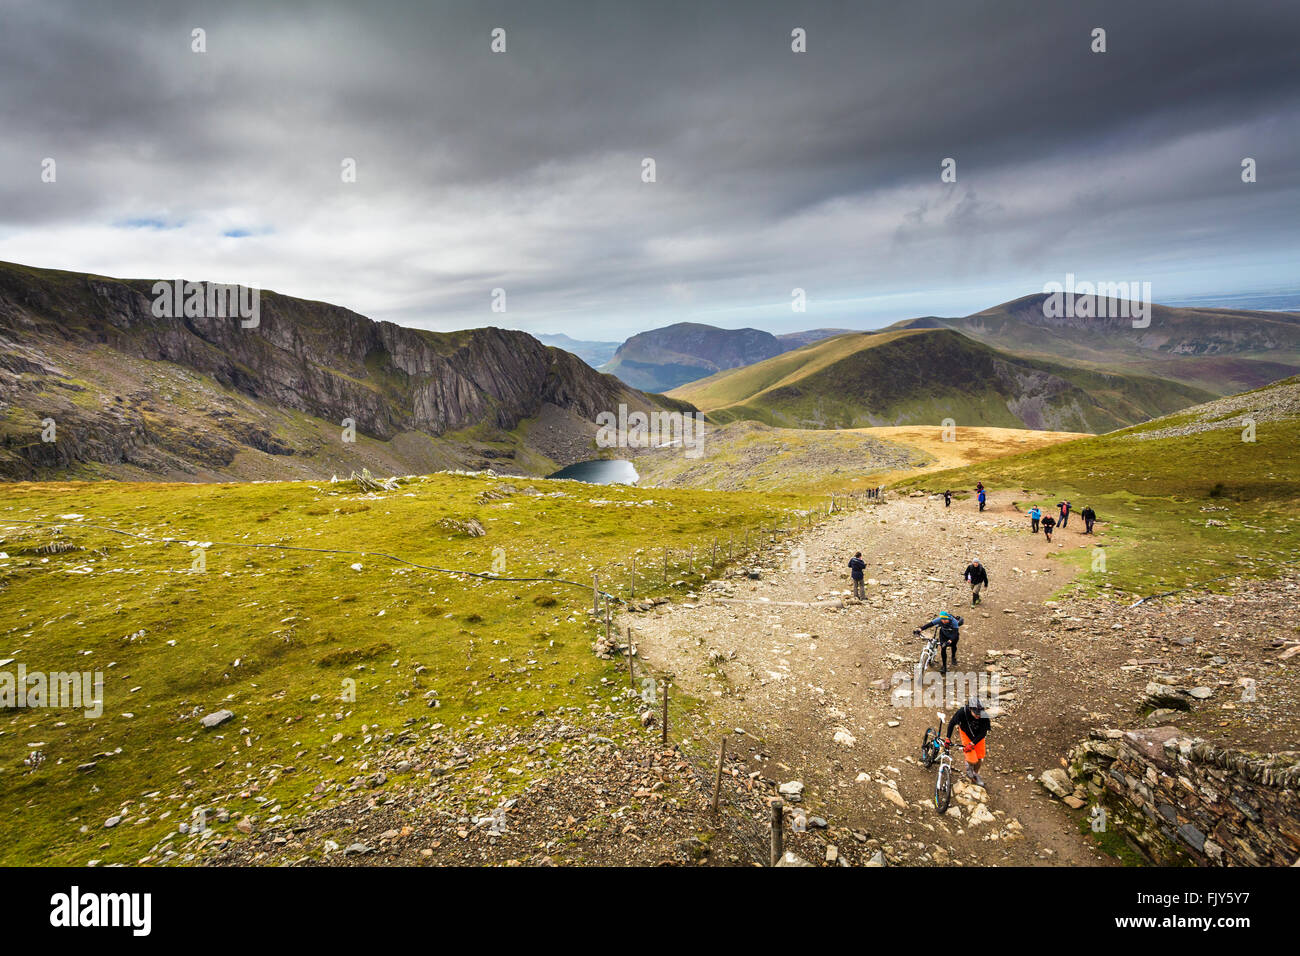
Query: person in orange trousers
pixel 973 725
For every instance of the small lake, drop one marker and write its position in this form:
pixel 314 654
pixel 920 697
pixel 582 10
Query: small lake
pixel 600 471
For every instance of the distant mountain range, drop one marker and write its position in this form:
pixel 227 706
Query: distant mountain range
pixel 1063 369
pixel 93 384
pixel 1219 350
pixel 313 389
pixel 662 359
pixel 924 376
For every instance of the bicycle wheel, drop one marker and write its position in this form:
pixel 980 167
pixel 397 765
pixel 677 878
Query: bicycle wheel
pixel 927 748
pixel 943 790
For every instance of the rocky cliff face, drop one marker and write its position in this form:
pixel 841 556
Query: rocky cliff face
pixel 188 395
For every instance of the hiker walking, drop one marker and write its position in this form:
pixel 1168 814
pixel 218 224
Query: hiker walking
pixel 1089 517
pixel 856 567
pixel 980 496
pixel 1035 515
pixel 978 578
pixel 1048 524
pixel 1063 515
pixel 947 499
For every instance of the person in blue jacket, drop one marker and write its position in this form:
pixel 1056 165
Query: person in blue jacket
pixel 1035 515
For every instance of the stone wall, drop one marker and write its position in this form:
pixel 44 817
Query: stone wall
pixel 1180 800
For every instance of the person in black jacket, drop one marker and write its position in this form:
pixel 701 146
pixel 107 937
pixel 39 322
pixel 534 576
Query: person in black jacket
pixel 949 626
pixel 856 567
pixel 947 499
pixel 973 725
pixel 978 579
pixel 1089 516
pixel 1047 524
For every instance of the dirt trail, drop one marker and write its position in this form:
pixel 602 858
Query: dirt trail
pixel 784 680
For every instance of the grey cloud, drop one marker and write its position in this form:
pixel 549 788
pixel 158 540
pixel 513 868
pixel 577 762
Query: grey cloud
pixel 522 170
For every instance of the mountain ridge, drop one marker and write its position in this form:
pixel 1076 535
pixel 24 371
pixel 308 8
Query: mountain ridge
pixel 1216 349
pixel 74 343
pixel 923 376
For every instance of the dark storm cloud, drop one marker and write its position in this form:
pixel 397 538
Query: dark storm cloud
pixel 775 170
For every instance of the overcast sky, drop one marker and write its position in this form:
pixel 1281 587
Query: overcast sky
pixel 522 170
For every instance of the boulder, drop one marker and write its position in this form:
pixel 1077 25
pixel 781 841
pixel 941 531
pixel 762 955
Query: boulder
pixel 1164 696
pixel 1056 782
pixel 216 718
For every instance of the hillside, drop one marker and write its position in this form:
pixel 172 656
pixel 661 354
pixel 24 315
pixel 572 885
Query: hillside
pixel 132 395
pixel 1185 496
pixel 750 456
pixel 346 673
pixel 1218 350
pixel 921 377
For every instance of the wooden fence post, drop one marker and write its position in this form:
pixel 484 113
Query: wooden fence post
pixel 665 728
pixel 717 783
pixel 778 825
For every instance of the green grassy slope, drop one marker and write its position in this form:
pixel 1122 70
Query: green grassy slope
pixel 924 376
pixel 1184 498
pixel 274 634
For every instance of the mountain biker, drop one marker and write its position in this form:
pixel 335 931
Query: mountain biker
pixel 1089 517
pixel 1035 515
pixel 978 578
pixel 1048 524
pixel 949 633
pixel 856 567
pixel 973 725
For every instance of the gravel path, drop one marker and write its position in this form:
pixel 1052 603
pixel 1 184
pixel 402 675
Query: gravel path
pixel 798 677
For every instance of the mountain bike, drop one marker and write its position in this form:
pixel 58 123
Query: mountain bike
pixel 943 782
pixel 931 744
pixel 936 747
pixel 929 652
